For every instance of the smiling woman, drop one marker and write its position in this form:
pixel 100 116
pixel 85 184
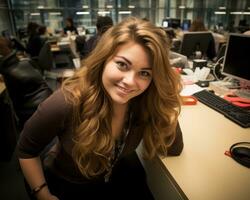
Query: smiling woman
pixel 124 93
pixel 125 76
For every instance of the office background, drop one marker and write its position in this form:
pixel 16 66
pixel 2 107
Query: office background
pixel 228 15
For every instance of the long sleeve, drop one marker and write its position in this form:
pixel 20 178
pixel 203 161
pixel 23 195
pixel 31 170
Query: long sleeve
pixel 46 123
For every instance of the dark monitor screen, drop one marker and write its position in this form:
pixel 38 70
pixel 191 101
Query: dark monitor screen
pixel 243 22
pixel 175 23
pixel 237 57
pixel 193 42
pixel 171 22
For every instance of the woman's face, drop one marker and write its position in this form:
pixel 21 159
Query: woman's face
pixel 128 73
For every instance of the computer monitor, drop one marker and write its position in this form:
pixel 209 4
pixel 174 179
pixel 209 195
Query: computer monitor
pixel 186 23
pixel 198 45
pixel 243 22
pixel 175 23
pixel 237 58
pixel 171 22
pixel 165 23
pixel 90 30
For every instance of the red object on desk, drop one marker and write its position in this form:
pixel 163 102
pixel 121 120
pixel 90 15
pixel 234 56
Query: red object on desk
pixel 189 100
pixel 177 69
pixel 238 101
pixel 227 153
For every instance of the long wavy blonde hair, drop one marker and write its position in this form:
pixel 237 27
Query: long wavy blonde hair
pixel 156 109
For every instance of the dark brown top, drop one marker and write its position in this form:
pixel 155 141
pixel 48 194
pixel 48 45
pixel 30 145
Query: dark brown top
pixel 54 118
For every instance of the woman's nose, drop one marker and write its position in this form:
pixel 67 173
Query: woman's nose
pixel 130 78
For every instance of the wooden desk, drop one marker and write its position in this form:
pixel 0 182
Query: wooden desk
pixel 202 171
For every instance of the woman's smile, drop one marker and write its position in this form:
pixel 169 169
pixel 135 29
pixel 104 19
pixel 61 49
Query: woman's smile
pixel 124 90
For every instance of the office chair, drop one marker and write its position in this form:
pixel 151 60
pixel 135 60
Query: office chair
pixel 17 44
pixel 81 45
pixel 49 61
pixel 45 58
pixel 54 65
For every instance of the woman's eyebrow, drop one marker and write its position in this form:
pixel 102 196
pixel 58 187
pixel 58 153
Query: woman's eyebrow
pixel 128 61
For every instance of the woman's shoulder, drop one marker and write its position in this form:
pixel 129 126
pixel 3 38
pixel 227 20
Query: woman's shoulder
pixel 59 97
pixel 56 103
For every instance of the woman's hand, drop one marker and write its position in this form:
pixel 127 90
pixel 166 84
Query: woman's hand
pixel 45 194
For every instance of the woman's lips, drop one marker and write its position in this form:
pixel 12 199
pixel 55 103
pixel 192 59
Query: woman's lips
pixel 124 90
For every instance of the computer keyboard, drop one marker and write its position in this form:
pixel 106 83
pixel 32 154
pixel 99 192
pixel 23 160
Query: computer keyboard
pixel 234 113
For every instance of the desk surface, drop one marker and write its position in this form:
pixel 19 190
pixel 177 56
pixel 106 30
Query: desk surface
pixel 202 171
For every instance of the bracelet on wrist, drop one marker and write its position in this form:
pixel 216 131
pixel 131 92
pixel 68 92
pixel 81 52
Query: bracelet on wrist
pixel 38 188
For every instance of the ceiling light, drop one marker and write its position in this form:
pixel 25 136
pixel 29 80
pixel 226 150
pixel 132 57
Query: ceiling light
pixel 182 7
pixel 222 7
pixel 103 12
pixel 131 6
pixel 82 13
pixel 246 13
pixel 34 14
pixel 236 13
pixel 124 12
pixel 54 13
pixel 220 12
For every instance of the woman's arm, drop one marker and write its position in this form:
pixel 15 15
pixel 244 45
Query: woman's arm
pixel 44 125
pixel 33 173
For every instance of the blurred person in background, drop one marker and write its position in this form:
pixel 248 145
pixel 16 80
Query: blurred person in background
pixel 25 85
pixel 103 23
pixel 70 27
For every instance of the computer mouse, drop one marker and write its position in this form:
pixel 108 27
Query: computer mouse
pixel 241 155
pixel 203 83
pixel 242 152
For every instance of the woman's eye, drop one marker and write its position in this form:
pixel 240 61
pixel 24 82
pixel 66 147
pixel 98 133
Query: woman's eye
pixel 145 74
pixel 121 65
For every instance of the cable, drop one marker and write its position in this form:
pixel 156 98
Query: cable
pixel 217 64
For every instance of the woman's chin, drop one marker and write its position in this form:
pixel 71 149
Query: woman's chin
pixel 120 99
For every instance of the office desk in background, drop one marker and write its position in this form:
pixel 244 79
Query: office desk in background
pixel 202 171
